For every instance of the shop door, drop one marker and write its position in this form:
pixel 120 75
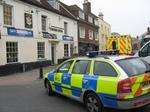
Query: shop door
pixel 53 51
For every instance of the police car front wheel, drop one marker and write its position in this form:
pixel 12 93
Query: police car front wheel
pixel 49 88
pixel 93 103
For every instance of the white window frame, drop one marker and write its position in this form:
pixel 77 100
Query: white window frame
pixel 90 19
pixel 81 15
pixel 42 17
pixel 41 50
pixel 12 52
pixel 82 32
pixel 91 34
pixel 66 50
pixel 12 15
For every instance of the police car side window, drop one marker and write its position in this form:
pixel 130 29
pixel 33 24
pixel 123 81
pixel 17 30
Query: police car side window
pixel 81 67
pixel 66 65
pixel 104 69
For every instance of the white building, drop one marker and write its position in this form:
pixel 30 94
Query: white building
pixel 104 32
pixel 36 30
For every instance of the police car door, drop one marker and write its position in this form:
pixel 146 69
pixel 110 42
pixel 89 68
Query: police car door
pixel 62 77
pixel 80 68
pixel 107 78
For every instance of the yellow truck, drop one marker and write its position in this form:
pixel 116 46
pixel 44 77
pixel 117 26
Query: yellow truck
pixel 122 43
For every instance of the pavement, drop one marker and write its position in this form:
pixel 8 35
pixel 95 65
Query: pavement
pixel 25 92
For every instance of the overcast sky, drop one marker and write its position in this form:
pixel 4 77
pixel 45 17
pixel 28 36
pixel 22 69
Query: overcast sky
pixel 125 16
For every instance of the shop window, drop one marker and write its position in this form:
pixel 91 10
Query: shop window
pixel 65 28
pixel 41 50
pixel 66 50
pixel 7 11
pixel 28 20
pixel 43 19
pixel 12 52
pixel 82 32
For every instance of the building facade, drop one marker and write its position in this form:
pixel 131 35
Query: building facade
pixel 104 32
pixel 36 31
pixel 87 27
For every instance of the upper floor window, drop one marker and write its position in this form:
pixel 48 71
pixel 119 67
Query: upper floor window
pixel 7 11
pixel 81 15
pixel 54 4
pixel 28 20
pixel 96 22
pixel 12 52
pixel 43 19
pixel 81 32
pixel 90 19
pixel 65 28
pixel 91 34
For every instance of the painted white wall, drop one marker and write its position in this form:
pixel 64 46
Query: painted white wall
pixel 28 46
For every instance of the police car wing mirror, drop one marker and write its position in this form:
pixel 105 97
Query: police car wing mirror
pixel 64 70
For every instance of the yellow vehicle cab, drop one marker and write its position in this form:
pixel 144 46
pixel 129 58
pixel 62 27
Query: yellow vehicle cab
pixel 120 82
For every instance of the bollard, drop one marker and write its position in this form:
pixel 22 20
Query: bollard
pixel 41 73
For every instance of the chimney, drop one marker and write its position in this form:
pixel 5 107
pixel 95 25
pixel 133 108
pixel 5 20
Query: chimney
pixel 87 6
pixel 101 15
pixel 148 29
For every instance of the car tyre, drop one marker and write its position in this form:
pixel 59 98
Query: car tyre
pixel 93 103
pixel 49 88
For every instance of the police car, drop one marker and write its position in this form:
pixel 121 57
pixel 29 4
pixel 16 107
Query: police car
pixel 120 82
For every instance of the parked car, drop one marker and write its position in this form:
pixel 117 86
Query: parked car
pixel 144 52
pixel 120 82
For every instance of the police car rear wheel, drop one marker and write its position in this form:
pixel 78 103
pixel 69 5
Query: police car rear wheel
pixel 93 103
pixel 49 88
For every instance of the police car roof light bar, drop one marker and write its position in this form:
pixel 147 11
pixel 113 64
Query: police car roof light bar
pixel 104 54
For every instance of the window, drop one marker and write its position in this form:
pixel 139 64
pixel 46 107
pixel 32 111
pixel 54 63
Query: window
pixel 91 34
pixel 104 69
pixel 134 66
pixel 71 49
pixel 146 51
pixel 66 50
pixel 7 14
pixel 65 28
pixel 43 19
pixel 81 15
pixel 81 67
pixel 41 49
pixel 66 66
pixel 90 19
pixel 12 52
pixel 28 20
pixel 96 35
pixel 96 22
pixel 82 32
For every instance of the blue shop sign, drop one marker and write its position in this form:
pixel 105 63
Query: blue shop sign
pixel 49 35
pixel 67 38
pixel 19 32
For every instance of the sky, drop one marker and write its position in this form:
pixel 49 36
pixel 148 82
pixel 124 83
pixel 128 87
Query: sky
pixel 125 16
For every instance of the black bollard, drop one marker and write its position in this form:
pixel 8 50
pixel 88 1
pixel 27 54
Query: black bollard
pixel 41 73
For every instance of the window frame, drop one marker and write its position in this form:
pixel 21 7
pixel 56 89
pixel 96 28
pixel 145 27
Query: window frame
pixel 11 21
pixel 13 51
pixel 57 70
pixel 87 71
pixel 104 74
pixel 40 50
pixel 81 32
pixel 66 51
pixel 44 27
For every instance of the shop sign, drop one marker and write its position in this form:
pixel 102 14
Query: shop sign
pixel 49 35
pixel 19 32
pixel 67 38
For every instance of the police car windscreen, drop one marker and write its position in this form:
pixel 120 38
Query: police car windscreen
pixel 134 66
